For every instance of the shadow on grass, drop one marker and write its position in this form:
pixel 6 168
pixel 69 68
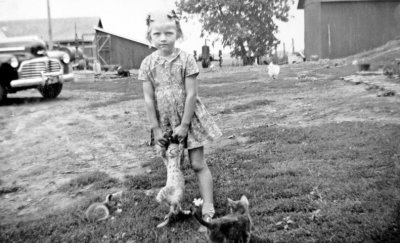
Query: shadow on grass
pixel 231 78
pixel 9 189
pixel 313 184
pixel 97 180
pixel 246 107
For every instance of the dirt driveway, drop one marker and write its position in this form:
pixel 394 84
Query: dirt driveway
pixel 103 125
pixel 46 143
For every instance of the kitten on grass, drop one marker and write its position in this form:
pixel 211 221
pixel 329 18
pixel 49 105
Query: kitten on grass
pixel 234 227
pixel 100 211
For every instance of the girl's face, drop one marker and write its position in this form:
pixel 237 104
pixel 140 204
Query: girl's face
pixel 163 35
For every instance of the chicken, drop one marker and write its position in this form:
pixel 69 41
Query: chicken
pixel 273 70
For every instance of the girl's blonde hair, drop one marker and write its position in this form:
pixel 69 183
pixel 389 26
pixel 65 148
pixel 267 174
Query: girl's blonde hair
pixel 170 15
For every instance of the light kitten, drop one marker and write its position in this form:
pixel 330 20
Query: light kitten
pixel 172 193
pixel 99 211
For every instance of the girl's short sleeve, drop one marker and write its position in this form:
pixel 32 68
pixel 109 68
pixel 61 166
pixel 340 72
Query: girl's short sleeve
pixel 191 67
pixel 144 70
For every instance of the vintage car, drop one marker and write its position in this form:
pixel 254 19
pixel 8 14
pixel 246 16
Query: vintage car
pixel 25 63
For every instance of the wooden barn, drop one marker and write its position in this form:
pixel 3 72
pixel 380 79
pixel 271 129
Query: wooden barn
pixel 114 49
pixel 88 34
pixel 339 28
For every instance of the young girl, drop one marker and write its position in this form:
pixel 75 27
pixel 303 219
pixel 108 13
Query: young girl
pixel 170 93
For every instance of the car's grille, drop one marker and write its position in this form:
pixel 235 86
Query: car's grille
pixel 35 69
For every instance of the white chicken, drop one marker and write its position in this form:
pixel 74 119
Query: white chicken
pixel 273 70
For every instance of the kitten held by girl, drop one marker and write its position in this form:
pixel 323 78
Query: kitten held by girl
pixel 172 193
pixel 170 93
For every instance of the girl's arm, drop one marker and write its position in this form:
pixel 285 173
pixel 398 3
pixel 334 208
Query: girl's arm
pixel 191 97
pixel 190 103
pixel 148 92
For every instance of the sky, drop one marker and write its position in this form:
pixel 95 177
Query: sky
pixel 127 18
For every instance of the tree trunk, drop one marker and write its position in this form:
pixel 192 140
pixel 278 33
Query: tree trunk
pixel 243 52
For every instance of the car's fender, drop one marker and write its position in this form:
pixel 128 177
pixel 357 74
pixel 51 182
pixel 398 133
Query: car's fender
pixel 5 58
pixel 7 73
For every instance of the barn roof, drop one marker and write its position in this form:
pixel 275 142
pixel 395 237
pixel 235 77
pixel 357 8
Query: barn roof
pixel 63 29
pixel 121 36
pixel 301 3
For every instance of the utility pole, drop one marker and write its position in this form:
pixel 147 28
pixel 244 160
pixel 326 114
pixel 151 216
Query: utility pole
pixel 77 45
pixel 292 45
pixel 284 49
pixel 49 23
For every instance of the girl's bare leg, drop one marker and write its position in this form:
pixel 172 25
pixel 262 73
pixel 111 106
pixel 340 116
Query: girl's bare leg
pixel 203 173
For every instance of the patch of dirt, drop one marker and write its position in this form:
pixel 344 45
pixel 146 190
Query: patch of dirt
pixel 47 143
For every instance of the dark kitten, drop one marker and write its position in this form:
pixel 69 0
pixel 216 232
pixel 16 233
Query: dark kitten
pixel 234 227
pixel 122 72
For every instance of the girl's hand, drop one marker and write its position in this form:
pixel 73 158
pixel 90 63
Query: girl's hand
pixel 181 132
pixel 159 138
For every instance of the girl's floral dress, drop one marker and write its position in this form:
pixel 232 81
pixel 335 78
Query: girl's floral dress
pixel 167 75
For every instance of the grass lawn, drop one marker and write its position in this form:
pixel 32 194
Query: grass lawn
pixel 328 182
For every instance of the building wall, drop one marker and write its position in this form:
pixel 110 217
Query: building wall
pixel 354 26
pixel 129 54
pixel 116 50
pixel 358 26
pixel 312 28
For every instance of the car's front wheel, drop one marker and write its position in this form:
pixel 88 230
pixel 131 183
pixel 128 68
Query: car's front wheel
pixel 3 94
pixel 51 91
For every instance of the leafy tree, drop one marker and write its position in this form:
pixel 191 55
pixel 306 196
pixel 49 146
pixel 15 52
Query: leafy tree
pixel 247 26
